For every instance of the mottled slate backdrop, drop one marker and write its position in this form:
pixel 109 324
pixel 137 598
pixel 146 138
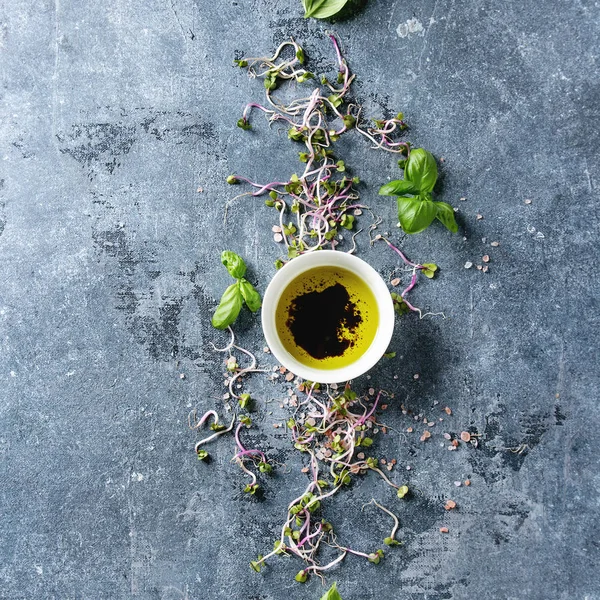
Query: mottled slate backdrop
pixel 114 114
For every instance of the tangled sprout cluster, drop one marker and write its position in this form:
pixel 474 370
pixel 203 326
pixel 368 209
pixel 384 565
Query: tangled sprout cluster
pixel 315 205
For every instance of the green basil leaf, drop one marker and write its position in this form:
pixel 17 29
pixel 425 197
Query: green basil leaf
pixel 229 307
pixel 234 263
pixel 445 214
pixel 321 9
pixel 398 188
pixel 250 295
pixel 332 594
pixel 415 214
pixel 421 169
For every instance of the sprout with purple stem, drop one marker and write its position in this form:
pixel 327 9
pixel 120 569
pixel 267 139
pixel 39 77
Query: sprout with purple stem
pixel 316 121
pixel 253 454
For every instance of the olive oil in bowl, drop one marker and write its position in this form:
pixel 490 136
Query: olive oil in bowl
pixel 327 317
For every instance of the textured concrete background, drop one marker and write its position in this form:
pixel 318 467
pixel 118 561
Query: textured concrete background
pixel 114 114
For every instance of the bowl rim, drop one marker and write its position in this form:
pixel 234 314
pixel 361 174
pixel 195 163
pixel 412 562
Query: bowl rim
pixel 369 275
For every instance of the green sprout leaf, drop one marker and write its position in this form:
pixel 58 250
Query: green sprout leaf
pixel 332 593
pixel 335 100
pixel 232 180
pixel 429 269
pixel 296 135
pixel 270 81
pixel 349 121
pixel 300 55
pixel 304 77
pixel 202 455
pixel 322 9
pixel 264 467
pixel 402 491
pixel 229 307
pixel 347 221
pixel 256 565
pixel 244 400
pixel 301 576
pixel 289 229
pixel 243 124
pixel 399 305
pixel 389 541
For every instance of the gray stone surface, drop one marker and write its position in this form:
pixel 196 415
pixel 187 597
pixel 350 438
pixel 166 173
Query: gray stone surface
pixel 114 114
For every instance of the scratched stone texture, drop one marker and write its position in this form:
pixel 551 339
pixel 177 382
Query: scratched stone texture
pixel 114 115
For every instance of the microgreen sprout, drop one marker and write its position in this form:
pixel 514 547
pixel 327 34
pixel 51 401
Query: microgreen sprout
pixel 217 427
pixel 391 539
pixel 244 401
pixel 331 433
pixel 401 304
pixel 323 197
pixel 403 491
pixel 202 455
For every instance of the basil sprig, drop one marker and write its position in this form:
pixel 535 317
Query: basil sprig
pixel 416 207
pixel 238 293
pixel 322 9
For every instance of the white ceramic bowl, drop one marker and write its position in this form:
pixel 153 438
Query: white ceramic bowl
pixel 329 258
